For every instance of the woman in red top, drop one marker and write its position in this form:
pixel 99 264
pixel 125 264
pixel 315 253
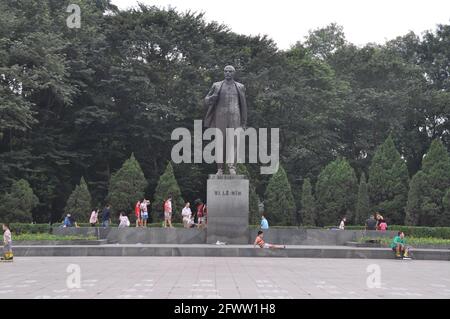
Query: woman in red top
pixel 137 212
pixel 200 214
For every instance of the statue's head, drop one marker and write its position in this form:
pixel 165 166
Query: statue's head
pixel 229 72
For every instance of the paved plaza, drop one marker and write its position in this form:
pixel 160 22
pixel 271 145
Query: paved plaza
pixel 200 278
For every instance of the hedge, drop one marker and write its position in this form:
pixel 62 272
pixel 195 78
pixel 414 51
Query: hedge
pixel 20 228
pixel 410 231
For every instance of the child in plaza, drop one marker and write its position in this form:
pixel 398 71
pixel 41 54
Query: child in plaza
pixel 259 241
pixel 7 243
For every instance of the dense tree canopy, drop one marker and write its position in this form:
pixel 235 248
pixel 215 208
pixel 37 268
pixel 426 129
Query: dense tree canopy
pixel 78 102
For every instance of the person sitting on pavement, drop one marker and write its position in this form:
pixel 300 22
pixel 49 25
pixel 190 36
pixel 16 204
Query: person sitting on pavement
pixel 398 245
pixel 259 241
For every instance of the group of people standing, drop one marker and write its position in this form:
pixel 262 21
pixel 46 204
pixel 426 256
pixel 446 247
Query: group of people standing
pixel 374 222
pixel 189 217
pixel 141 212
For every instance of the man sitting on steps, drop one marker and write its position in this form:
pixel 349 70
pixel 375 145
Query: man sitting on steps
pixel 398 245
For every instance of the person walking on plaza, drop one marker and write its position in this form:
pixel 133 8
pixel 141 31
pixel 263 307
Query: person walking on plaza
pixel 137 213
pixel 106 216
pixel 93 220
pixel 7 243
pixel 144 212
pixel 259 241
pixel 168 212
pixel 264 223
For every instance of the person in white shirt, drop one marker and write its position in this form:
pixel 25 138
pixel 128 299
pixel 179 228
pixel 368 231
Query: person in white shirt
pixel 94 218
pixel 124 221
pixel 144 212
pixel 187 216
pixel 342 224
pixel 168 212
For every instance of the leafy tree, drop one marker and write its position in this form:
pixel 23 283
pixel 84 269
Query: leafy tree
pixel 127 186
pixel 362 202
pixel 79 204
pixel 388 182
pixel 308 211
pixel 167 185
pixel 279 203
pixel 17 204
pixel 323 42
pixel 336 191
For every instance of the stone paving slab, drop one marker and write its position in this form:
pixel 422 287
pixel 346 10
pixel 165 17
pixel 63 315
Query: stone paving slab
pixel 217 278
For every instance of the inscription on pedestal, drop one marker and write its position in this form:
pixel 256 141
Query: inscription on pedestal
pixel 228 209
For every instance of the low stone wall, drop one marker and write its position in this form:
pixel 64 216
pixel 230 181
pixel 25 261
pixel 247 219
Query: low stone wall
pixel 182 236
pixel 222 251
pixel 59 242
pixel 99 232
pixel 303 236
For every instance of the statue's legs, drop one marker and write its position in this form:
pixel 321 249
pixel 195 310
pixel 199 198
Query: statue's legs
pixel 233 122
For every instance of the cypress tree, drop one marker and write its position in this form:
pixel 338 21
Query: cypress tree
pixel 79 203
pixel 414 204
pixel 127 186
pixel 336 191
pixel 433 183
pixel 254 215
pixel 388 182
pixel 362 202
pixel 446 203
pixel 279 201
pixel 308 210
pixel 167 185
pixel 18 203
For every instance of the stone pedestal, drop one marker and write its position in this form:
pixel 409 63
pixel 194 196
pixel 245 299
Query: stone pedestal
pixel 228 209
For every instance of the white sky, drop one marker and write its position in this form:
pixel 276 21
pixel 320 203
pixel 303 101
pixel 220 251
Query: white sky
pixel 287 21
